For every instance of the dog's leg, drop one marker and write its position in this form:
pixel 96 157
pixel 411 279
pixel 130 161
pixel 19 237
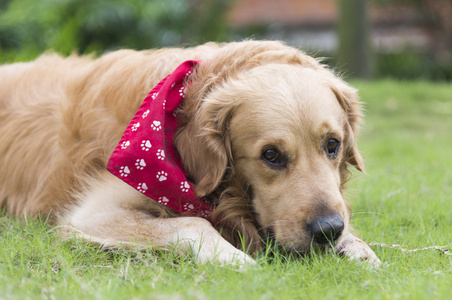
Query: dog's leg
pixel 113 214
pixel 356 249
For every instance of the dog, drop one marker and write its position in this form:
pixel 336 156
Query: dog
pixel 265 134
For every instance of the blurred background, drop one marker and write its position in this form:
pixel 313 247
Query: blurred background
pixel 404 39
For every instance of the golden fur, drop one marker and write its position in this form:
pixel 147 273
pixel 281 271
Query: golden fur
pixel 61 118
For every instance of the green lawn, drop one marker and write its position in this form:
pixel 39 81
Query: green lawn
pixel 406 199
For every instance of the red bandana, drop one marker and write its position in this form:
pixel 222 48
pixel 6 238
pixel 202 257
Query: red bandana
pixel 145 157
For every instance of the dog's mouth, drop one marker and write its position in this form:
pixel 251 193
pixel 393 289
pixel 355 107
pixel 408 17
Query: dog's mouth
pixel 271 239
pixel 298 247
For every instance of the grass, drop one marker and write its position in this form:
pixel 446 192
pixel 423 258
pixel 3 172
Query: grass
pixel 405 199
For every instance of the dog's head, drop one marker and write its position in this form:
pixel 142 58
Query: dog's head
pixel 269 131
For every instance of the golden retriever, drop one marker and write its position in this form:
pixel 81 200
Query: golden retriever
pixel 265 134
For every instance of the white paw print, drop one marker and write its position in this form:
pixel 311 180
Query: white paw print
pixel 162 176
pixel 177 110
pixel 188 74
pixel 135 126
pixel 124 171
pixel 142 187
pixel 182 91
pixel 188 206
pixel 145 114
pixel 164 103
pixel 156 125
pixel 205 213
pixel 125 144
pixel 160 154
pixel 146 145
pixel 154 96
pixel 163 200
pixel 184 186
pixel 140 164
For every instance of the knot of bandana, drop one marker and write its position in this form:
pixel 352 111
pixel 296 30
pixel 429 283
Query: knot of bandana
pixel 145 157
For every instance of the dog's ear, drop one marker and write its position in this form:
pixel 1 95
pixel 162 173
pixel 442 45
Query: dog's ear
pixel 349 100
pixel 204 146
pixel 353 157
pixel 356 160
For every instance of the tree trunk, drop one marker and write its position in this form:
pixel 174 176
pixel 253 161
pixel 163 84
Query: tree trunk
pixel 354 56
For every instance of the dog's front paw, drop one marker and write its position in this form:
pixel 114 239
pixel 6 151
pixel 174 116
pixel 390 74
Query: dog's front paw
pixel 355 249
pixel 196 235
pixel 236 257
pixel 224 254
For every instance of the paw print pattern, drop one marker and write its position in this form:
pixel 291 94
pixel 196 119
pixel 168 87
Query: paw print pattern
pixel 163 200
pixel 188 206
pixel 184 186
pixel 205 213
pixel 142 187
pixel 156 125
pixel 125 144
pixel 140 164
pixel 141 160
pixel 162 176
pixel 160 154
pixel 177 110
pixel 182 91
pixel 135 126
pixel 124 171
pixel 146 145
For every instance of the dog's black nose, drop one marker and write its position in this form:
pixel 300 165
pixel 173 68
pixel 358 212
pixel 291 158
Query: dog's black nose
pixel 326 228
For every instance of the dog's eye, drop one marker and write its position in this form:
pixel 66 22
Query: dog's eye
pixel 274 158
pixel 332 147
